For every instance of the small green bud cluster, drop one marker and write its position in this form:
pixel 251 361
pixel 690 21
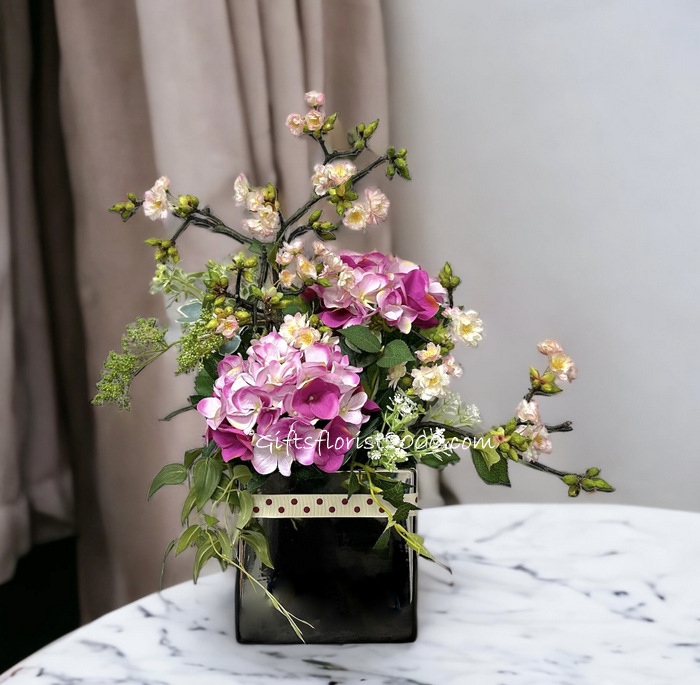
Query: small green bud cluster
pixel 589 482
pixel 127 209
pixel 197 343
pixel 342 197
pixel 246 266
pixel 543 384
pixel 270 296
pixel 397 163
pixel 447 279
pixel 166 250
pixel 186 205
pixel 217 290
pixel 358 137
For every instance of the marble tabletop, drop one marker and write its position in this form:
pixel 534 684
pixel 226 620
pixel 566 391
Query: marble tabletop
pixel 569 594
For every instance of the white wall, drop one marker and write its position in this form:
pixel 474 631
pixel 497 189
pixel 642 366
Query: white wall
pixel 555 152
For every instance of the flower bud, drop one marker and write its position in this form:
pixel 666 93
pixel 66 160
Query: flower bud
pixel 573 491
pixel 402 152
pixel 370 129
pixel 391 151
pixel 132 197
pixel 330 122
pixel 570 479
pixel 390 171
pixel 315 216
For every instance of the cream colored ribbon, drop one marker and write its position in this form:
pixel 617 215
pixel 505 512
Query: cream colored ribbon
pixel 324 506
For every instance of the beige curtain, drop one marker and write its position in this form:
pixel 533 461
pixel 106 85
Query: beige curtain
pixel 198 91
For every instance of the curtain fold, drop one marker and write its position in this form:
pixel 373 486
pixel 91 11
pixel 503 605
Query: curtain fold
pixel 36 489
pixel 198 92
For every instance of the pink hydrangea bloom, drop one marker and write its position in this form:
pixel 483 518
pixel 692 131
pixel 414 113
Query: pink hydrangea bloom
pixel 272 406
pixel 366 284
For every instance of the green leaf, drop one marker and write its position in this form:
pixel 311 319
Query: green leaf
pixel 383 539
pixel 168 549
pixel 401 513
pixel 225 542
pixel 190 312
pixel 242 474
pixel 395 353
pixel 258 542
pixel 177 412
pixel 394 494
pixel 206 475
pixel 204 383
pixel 362 338
pixel 256 481
pixel 191 455
pixel 490 454
pixel 245 503
pixel 211 366
pixel 210 520
pixel 187 538
pixel 416 542
pixel 353 484
pixel 230 346
pixel 440 459
pixel 204 553
pixel 297 305
pixel 187 507
pixel 496 475
pixel 256 247
pixel 171 474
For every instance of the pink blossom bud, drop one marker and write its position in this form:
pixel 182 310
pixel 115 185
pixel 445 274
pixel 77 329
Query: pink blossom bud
pixel 295 123
pixel 549 347
pixel 314 120
pixel 315 99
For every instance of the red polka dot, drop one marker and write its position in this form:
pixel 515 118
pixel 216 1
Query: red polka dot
pixel 319 501
pixel 381 510
pixel 281 510
pixel 256 509
pixel 306 510
pixel 357 510
pixel 344 500
pixel 295 501
pixel 268 502
pixel 370 500
pixel 331 509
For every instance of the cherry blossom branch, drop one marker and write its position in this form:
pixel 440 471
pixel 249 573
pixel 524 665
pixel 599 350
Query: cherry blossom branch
pixel 205 219
pixel 542 467
pixel 565 427
pixel 315 198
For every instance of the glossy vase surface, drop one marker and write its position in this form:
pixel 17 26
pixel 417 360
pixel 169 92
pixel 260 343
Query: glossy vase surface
pixel 327 572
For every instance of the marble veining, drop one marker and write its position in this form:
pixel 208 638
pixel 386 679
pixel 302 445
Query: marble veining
pixel 568 594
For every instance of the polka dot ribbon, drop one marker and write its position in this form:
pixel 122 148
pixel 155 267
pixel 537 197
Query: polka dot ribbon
pixel 329 505
pixel 323 506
